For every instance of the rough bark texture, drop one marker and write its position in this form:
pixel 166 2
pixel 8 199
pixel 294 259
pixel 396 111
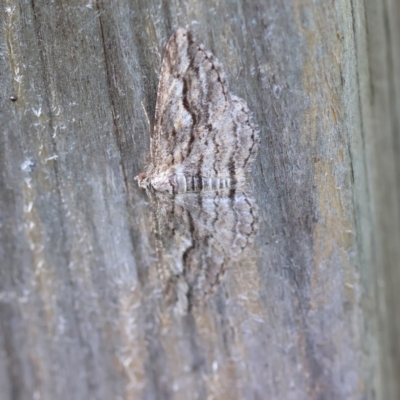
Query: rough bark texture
pixel 312 315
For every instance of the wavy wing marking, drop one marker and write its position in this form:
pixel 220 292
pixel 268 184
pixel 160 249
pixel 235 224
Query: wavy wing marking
pixel 201 129
pixel 199 237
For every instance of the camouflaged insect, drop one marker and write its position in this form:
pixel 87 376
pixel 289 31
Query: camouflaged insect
pixel 203 144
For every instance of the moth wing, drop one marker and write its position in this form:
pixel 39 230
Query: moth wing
pixel 230 221
pixel 200 128
pixel 199 236
pixel 170 114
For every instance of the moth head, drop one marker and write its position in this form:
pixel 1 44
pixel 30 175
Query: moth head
pixel 162 183
pixel 142 179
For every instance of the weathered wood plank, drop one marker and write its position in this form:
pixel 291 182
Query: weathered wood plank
pixel 380 109
pixel 311 314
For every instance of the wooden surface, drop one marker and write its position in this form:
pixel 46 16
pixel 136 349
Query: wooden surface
pixel 312 314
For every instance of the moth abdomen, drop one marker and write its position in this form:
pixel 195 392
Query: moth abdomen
pixel 195 183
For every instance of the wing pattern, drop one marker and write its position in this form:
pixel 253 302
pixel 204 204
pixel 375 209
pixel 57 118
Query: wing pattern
pixel 204 137
pixel 199 237
pixel 202 146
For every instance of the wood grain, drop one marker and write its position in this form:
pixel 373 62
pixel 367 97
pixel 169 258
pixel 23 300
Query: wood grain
pixel 312 314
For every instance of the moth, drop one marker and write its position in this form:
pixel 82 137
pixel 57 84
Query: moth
pixel 204 137
pixel 203 144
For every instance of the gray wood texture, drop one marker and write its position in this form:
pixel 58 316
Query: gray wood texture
pixel 312 314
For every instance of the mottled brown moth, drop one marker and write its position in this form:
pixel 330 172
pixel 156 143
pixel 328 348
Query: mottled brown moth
pixel 201 149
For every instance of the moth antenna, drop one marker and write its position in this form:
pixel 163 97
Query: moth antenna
pixel 149 128
pixel 147 116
